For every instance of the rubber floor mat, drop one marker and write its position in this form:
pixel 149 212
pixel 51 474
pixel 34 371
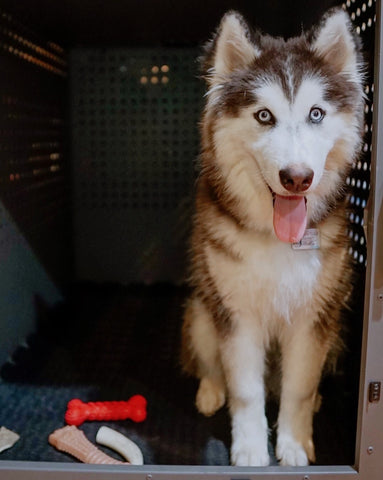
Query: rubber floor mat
pixel 111 342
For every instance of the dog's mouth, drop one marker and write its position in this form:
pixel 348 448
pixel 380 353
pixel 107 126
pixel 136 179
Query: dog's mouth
pixel 290 217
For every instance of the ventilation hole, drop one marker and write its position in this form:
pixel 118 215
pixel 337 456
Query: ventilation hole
pixel 144 117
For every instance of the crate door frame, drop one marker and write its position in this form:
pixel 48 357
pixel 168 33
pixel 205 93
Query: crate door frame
pixel 369 445
pixel 369 448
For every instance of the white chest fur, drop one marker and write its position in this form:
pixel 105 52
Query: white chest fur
pixel 271 282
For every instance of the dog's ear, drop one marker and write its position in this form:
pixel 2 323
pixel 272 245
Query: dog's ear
pixel 230 49
pixel 336 43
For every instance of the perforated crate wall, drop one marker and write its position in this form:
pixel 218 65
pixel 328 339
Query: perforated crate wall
pixel 34 185
pixel 363 16
pixel 34 181
pixel 135 142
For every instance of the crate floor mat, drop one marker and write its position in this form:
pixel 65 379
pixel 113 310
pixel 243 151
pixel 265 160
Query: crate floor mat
pixel 112 342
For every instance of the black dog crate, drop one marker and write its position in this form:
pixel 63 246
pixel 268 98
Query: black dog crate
pixel 100 102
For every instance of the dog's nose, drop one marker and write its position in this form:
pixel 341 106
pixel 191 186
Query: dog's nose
pixel 295 179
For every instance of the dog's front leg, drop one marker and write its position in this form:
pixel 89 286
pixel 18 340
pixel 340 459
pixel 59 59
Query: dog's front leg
pixel 303 357
pixel 243 362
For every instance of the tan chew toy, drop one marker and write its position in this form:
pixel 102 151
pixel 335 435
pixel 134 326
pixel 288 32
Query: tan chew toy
pixel 71 440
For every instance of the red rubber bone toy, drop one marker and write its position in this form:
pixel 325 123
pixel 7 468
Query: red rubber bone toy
pixel 78 411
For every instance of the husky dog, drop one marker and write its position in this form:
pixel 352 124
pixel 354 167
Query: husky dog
pixel 270 265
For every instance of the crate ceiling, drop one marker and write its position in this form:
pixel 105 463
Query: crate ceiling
pixel 151 22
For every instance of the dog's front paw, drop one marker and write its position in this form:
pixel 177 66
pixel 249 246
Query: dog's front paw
pixel 292 453
pixel 249 454
pixel 210 397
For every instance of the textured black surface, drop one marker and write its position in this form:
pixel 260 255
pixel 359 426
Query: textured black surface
pixel 135 138
pixel 150 22
pixel 34 163
pixel 108 343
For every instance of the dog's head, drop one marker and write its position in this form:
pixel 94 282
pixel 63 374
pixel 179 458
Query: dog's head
pixel 284 118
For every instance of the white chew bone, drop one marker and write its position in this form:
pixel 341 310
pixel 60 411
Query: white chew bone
pixel 121 444
pixel 7 438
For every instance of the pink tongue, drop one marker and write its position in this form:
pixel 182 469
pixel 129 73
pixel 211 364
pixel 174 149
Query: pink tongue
pixel 290 218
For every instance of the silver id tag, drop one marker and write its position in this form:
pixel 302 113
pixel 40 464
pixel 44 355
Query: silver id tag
pixel 309 241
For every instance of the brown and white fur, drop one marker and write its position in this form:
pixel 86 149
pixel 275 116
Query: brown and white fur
pixel 250 289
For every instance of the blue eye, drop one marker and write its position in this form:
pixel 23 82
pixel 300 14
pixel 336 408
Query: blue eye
pixel 265 117
pixel 316 115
